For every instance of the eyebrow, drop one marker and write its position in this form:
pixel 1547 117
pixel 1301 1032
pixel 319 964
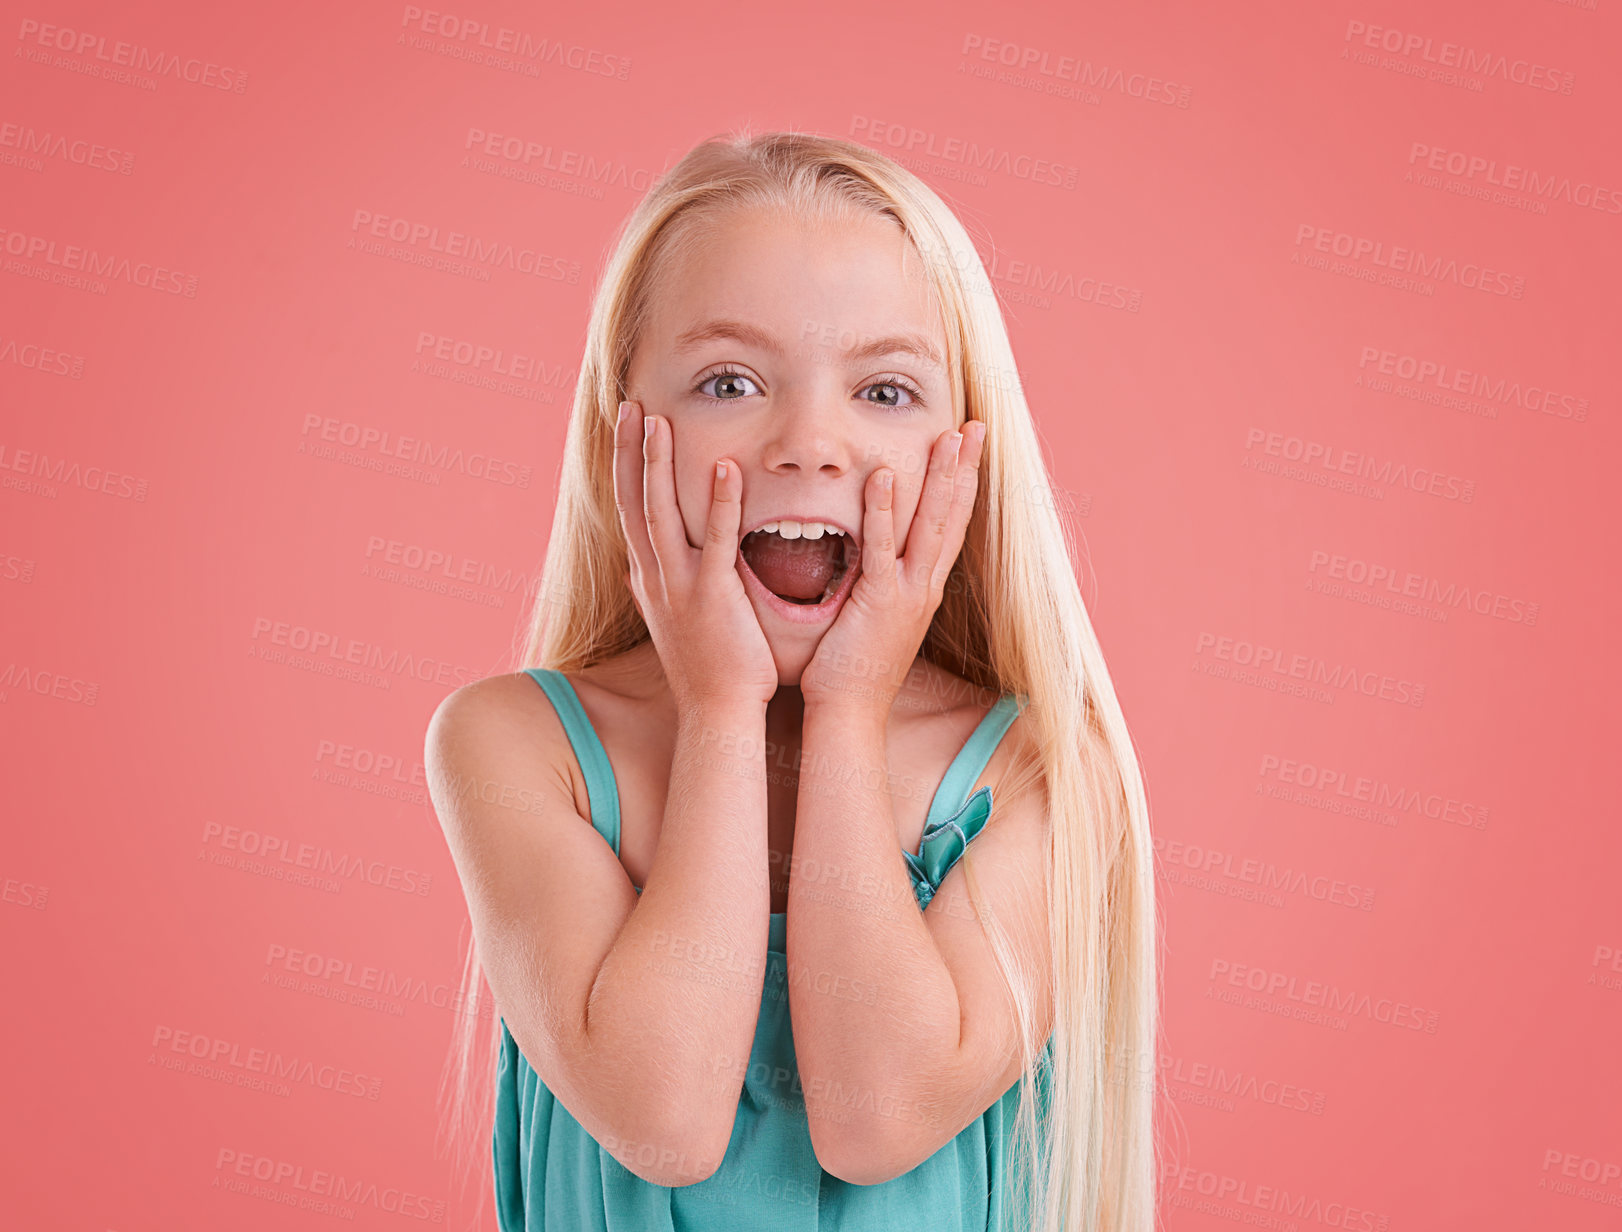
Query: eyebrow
pixel 750 335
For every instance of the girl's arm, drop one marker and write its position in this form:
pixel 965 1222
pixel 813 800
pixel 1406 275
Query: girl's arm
pixel 904 1030
pixel 621 1003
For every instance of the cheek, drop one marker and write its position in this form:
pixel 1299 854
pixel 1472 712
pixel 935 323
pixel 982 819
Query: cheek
pixel 903 507
pixel 694 454
pixel 695 490
pixel 910 462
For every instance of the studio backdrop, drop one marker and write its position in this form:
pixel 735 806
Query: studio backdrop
pixel 1315 306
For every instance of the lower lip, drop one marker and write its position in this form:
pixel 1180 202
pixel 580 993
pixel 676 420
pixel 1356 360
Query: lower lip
pixel 797 613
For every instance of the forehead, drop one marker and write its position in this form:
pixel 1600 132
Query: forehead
pixel 811 284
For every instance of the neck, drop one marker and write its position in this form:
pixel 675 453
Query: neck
pixel 785 717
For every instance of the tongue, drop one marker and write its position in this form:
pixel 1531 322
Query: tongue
pixel 793 568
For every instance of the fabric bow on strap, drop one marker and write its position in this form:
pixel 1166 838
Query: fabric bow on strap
pixel 944 842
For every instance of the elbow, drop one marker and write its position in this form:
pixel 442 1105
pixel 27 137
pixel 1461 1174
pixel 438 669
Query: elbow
pixel 674 1151
pixel 846 1152
pixel 662 1145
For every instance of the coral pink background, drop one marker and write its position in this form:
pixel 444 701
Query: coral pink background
pixel 1348 518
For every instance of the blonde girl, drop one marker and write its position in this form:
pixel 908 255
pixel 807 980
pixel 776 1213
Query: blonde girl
pixel 808 858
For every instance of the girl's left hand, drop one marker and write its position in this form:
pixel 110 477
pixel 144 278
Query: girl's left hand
pixel 864 659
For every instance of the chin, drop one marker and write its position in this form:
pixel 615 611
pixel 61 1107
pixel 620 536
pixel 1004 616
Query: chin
pixel 792 650
pixel 793 631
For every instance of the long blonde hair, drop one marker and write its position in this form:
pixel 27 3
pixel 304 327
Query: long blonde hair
pixel 1012 620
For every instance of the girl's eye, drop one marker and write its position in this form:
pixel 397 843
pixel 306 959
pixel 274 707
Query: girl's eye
pixel 722 379
pixel 899 383
pixel 726 379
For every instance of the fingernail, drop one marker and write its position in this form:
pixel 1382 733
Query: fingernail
pixel 886 479
pixel 647 426
pixel 625 409
pixel 720 470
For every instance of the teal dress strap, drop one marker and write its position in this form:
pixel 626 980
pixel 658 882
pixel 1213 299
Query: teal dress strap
pixel 601 789
pixel 946 835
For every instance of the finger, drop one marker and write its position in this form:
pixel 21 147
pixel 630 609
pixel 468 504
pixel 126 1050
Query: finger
pixel 720 552
pixel 665 530
pixel 878 530
pixel 927 534
pixel 964 487
pixel 628 486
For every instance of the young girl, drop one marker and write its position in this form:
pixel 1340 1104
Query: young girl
pixel 809 862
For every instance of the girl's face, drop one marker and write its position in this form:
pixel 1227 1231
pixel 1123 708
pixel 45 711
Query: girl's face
pixel 812 355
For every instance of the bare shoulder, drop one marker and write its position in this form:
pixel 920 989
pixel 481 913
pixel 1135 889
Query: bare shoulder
pixel 955 707
pixel 493 697
pixel 1009 860
pixel 492 739
pixel 545 893
pixel 502 707
pixel 1015 773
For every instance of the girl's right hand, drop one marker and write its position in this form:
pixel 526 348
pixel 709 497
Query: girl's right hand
pixel 703 625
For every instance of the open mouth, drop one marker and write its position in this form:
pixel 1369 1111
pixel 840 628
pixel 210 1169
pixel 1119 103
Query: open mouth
pixel 805 572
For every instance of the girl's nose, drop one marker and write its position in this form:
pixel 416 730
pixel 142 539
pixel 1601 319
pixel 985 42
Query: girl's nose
pixel 807 434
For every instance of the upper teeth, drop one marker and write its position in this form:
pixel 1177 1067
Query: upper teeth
pixel 802 530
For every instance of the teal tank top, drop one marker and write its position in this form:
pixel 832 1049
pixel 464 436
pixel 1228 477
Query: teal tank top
pixel 552 1176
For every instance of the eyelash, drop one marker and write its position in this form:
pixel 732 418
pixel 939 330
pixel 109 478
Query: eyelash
pixel 887 378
